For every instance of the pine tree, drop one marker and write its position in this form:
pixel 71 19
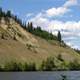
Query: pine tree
pixel 30 27
pixel 8 13
pixel 0 12
pixel 59 36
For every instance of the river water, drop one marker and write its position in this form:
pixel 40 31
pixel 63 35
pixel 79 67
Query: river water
pixel 56 75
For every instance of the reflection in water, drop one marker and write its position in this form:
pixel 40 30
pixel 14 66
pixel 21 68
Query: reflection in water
pixel 64 77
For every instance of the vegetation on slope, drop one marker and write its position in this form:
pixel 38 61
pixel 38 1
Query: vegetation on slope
pixel 78 51
pixel 39 32
pixel 47 65
pixel 33 57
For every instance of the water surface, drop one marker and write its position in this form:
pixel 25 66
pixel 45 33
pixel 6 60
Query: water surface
pixel 56 75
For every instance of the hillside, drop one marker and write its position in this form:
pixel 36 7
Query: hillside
pixel 18 44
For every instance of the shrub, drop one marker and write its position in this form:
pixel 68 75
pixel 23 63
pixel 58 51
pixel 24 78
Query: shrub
pixel 75 65
pixel 63 66
pixel 30 67
pixel 59 57
pixel 48 65
pixel 13 66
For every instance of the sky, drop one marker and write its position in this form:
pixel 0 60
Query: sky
pixel 50 15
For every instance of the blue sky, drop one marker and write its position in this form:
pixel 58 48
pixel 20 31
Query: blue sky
pixel 51 15
pixel 22 7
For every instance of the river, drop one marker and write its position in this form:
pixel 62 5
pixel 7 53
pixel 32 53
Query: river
pixel 56 75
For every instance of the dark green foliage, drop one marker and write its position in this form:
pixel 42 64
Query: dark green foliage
pixel 75 65
pixel 48 65
pixel 0 11
pixel 30 67
pixel 44 34
pixel 39 32
pixel 63 66
pixel 59 36
pixel 78 51
pixel 30 27
pixel 8 13
pixel 2 14
pixel 59 57
pixel 26 67
pixel 1 69
pixel 42 67
pixel 13 66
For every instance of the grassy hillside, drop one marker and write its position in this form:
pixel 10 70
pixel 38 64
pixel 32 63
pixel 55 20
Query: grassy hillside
pixel 22 46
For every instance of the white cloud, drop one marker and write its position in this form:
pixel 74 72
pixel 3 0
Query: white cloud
pixel 69 29
pixel 61 10
pixel 70 3
pixel 29 14
pixel 39 21
pixel 42 19
pixel 56 11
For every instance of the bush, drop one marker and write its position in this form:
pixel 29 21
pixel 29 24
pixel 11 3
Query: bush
pixel 59 57
pixel 30 67
pixel 75 65
pixel 63 66
pixel 13 66
pixel 48 65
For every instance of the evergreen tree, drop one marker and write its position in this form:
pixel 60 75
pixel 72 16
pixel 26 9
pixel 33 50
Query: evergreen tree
pixel 30 27
pixel 0 12
pixel 59 36
pixel 8 14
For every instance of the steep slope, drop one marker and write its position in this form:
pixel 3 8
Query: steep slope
pixel 12 30
pixel 18 44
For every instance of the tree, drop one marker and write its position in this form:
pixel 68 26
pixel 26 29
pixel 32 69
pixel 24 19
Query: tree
pixel 30 27
pixel 8 13
pixel 59 36
pixel 0 12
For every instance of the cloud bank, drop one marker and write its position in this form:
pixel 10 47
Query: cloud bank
pixel 70 29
